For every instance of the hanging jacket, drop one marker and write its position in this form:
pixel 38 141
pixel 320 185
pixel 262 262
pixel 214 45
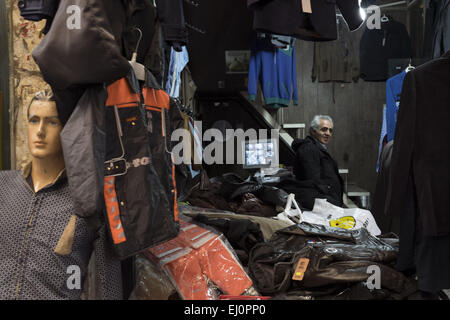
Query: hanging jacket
pixel 275 70
pixel 83 144
pixel 286 17
pixel 171 16
pixel 377 46
pixel 100 47
pixel 441 39
pixel 139 175
pixel 337 60
pixel 94 51
pixel 421 147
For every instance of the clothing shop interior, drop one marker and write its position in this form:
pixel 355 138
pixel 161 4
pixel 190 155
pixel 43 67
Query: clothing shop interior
pixel 225 150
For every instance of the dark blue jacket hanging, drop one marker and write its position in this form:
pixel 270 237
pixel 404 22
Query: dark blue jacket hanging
pixel 377 46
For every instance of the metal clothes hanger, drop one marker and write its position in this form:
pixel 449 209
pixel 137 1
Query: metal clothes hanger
pixel 409 67
pixel 138 68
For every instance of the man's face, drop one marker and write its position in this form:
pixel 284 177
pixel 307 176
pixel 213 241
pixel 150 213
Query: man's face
pixel 324 132
pixel 44 128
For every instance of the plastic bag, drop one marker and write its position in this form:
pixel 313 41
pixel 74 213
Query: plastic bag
pixel 328 214
pixel 292 216
pixel 201 264
pixel 151 282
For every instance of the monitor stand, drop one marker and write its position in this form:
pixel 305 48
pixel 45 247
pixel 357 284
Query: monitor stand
pixel 268 171
pixel 265 175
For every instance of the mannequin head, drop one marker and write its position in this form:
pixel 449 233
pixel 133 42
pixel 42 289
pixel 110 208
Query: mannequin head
pixel 321 128
pixel 44 127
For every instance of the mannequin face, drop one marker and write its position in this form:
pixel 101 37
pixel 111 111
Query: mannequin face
pixel 324 132
pixel 44 128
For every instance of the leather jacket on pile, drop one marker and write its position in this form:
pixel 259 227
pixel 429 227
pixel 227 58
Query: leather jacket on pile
pixel 234 187
pixel 338 259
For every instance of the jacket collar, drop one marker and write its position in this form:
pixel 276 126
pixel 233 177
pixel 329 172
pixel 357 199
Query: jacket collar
pixel 318 143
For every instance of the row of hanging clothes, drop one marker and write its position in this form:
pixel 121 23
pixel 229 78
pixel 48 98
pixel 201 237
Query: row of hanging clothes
pixel 394 87
pixel 115 74
pixel 412 183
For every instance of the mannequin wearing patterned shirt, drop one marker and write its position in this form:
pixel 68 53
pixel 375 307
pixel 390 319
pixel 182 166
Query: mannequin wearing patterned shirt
pixel 45 248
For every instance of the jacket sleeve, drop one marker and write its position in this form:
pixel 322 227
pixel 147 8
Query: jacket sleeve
pixel 401 162
pixel 294 78
pixel 315 68
pixel 253 72
pixel 350 12
pixel 390 106
pixel 171 16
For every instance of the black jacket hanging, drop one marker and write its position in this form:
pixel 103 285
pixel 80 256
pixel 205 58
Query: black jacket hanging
pixel 286 17
pixel 421 147
pixel 377 46
pixel 139 175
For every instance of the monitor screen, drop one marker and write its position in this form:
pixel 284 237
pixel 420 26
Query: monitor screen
pixel 260 154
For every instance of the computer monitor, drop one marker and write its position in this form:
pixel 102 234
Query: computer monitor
pixel 260 154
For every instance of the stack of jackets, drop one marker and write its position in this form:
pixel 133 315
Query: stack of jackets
pixel 337 264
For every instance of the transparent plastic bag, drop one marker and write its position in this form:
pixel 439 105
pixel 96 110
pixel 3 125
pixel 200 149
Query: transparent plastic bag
pixel 151 282
pixel 200 263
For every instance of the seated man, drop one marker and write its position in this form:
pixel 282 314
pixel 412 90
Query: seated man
pixel 44 247
pixel 314 167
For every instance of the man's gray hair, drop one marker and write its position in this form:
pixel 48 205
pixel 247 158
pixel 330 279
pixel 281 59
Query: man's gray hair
pixel 315 123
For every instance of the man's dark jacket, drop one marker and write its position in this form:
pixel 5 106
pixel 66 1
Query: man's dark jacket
pixel 286 17
pixel 422 147
pixel 316 173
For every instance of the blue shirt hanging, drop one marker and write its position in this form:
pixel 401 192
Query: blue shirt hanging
pixel 178 60
pixel 393 91
pixel 382 135
pixel 276 71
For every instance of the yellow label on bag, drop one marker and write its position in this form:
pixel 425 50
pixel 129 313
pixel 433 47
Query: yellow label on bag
pixel 343 222
pixel 300 269
pixel 306 6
